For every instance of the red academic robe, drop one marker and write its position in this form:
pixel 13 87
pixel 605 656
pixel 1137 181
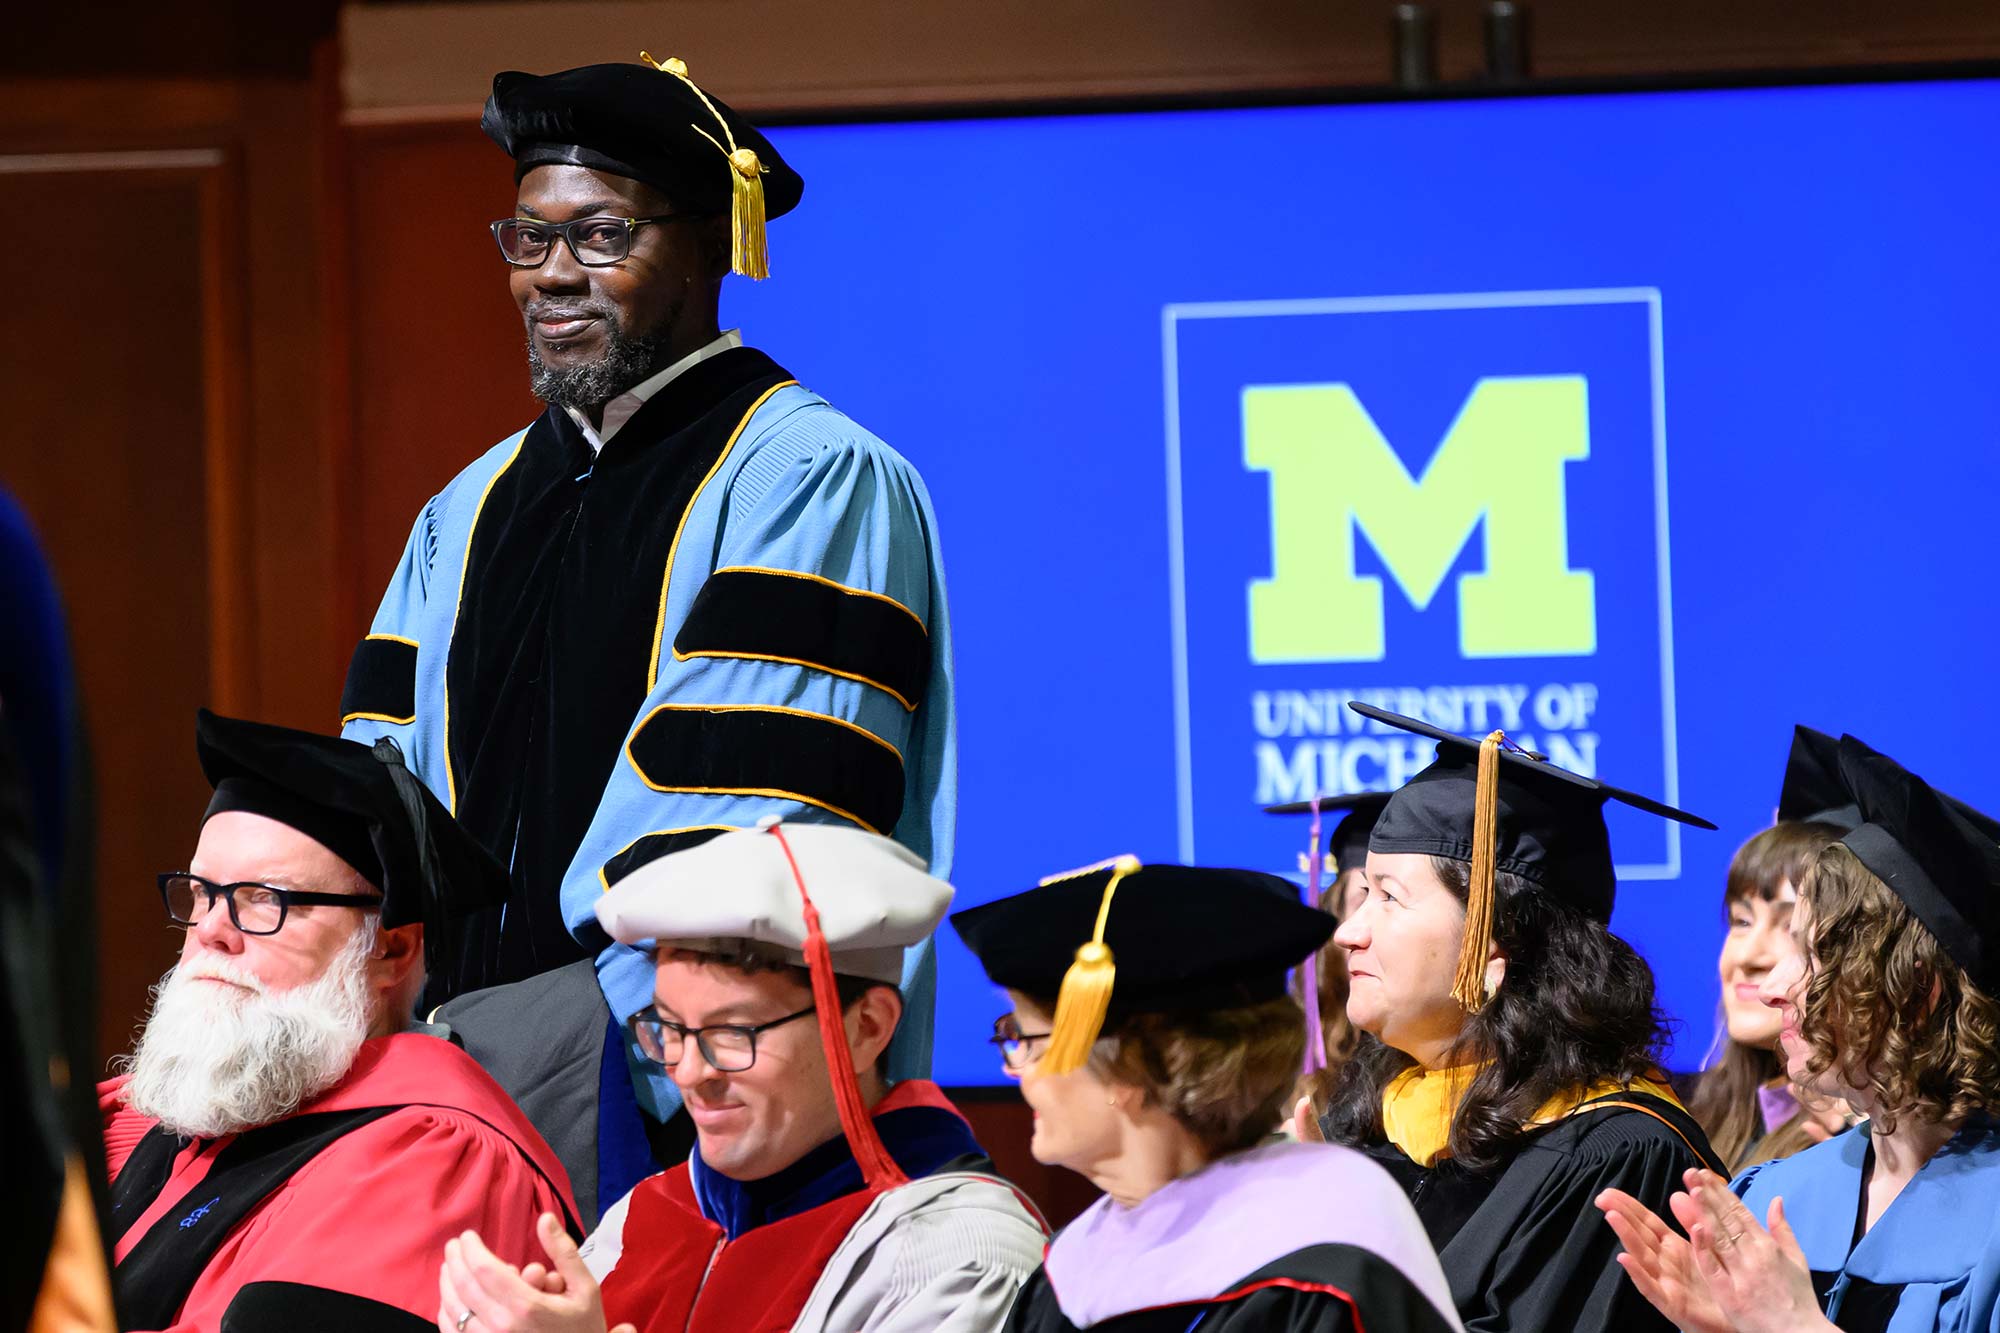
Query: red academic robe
pixel 679 1270
pixel 368 1214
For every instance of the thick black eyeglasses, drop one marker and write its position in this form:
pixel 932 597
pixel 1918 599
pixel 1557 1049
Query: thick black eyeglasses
pixel 1013 1044
pixel 729 1048
pixel 596 242
pixel 254 909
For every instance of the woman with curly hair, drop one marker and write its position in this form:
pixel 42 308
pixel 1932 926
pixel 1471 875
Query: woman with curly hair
pixel 1890 1006
pixel 1154 1039
pixel 1508 1073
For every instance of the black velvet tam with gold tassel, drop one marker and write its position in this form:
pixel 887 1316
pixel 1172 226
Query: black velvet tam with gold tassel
pixel 1179 937
pixel 648 121
pixel 1548 823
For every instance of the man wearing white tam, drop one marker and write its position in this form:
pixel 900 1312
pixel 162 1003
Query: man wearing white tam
pixel 818 1196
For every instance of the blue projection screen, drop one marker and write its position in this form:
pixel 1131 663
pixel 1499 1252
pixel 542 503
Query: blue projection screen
pixel 1640 424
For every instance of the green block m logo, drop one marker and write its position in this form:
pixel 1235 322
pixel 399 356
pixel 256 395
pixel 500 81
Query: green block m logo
pixel 1499 467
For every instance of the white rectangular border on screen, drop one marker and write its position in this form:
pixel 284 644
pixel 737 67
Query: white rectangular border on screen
pixel 1171 316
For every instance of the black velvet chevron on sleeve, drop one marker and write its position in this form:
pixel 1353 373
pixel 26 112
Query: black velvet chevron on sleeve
pixel 773 615
pixel 776 752
pixel 381 681
pixel 654 846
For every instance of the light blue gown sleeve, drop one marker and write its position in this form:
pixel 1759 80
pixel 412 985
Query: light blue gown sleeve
pixel 727 734
pixel 384 694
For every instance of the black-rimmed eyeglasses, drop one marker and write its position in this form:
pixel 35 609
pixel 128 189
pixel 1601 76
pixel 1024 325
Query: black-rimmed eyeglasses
pixel 254 909
pixel 1017 1048
pixel 596 242
pixel 729 1048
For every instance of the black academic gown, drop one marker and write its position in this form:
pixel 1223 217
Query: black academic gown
pixel 1524 1246
pixel 551 649
pixel 1285 1296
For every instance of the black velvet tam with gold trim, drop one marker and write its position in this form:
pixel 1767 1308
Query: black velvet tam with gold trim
pixel 1550 825
pixel 636 121
pixel 1182 937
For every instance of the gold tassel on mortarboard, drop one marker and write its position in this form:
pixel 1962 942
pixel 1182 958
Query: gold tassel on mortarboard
pixel 1086 987
pixel 1469 986
pixel 748 253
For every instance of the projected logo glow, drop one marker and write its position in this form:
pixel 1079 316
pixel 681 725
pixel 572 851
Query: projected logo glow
pixel 1452 506
pixel 1331 472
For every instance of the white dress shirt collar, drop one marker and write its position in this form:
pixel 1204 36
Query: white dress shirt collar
pixel 622 408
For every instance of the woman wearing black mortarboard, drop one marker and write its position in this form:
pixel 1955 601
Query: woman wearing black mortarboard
pixel 1508 1075
pixel 691 594
pixel 1890 1005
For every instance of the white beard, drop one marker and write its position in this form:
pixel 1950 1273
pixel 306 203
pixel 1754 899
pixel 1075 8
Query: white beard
pixel 214 1061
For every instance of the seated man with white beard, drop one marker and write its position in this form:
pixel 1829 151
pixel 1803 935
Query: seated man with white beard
pixel 279 1129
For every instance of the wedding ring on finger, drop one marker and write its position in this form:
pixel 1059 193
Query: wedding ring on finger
pixel 464 1318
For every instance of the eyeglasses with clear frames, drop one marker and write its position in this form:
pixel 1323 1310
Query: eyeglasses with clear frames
pixel 729 1048
pixel 254 909
pixel 1014 1045
pixel 596 242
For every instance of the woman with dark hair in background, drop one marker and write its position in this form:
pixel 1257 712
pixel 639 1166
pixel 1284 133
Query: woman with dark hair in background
pixel 1744 1101
pixel 1345 861
pixel 1509 1072
pixel 1890 1005
pixel 1158 1058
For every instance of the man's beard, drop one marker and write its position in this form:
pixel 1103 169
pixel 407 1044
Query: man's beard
pixel 214 1061
pixel 626 360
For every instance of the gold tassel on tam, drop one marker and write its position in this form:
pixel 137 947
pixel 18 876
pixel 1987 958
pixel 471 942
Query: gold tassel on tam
pixel 1469 986
pixel 1086 986
pixel 748 253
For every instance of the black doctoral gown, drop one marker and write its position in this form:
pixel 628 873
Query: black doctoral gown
pixel 1524 1246
pixel 550 653
pixel 1295 1237
pixel 1285 1296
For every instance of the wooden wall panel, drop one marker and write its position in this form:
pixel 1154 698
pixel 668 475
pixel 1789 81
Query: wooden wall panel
pixel 107 452
pixel 794 56
pixel 275 365
pixel 438 361
pixel 171 441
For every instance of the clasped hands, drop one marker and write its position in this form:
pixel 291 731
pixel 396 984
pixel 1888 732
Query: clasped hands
pixel 479 1292
pixel 1729 1274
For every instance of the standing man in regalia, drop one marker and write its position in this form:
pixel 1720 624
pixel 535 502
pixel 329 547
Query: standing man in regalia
pixel 690 594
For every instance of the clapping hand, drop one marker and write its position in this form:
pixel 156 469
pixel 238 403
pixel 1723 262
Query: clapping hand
pixel 1729 1274
pixel 479 1292
pixel 1661 1264
pixel 1757 1277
